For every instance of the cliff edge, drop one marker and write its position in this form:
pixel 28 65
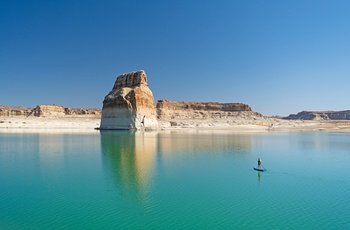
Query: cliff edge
pixel 204 114
pixel 47 111
pixel 201 110
pixel 326 115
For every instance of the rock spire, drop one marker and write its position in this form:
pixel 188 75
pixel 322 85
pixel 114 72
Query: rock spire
pixel 130 104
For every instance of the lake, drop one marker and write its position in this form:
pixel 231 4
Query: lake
pixel 174 180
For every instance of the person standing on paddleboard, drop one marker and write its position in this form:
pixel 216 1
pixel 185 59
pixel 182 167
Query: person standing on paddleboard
pixel 259 163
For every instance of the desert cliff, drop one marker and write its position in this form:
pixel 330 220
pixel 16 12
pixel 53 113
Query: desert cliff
pixel 205 114
pixel 130 104
pixel 9 111
pixel 201 110
pixel 47 111
pixel 325 115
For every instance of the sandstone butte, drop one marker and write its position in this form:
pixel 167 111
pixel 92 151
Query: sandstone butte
pixel 130 104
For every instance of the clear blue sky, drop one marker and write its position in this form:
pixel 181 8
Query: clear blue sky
pixel 280 57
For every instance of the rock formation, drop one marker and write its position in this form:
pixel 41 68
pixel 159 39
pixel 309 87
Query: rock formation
pixel 201 110
pixel 326 115
pixel 205 114
pixel 54 110
pixel 82 111
pixel 47 111
pixel 130 104
pixel 9 111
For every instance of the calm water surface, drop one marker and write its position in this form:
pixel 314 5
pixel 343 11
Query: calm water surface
pixel 174 180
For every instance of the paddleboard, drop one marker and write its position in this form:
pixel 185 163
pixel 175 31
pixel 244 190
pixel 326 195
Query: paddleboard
pixel 261 170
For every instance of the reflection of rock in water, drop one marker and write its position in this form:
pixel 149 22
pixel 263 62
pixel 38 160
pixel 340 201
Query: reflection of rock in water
pixel 130 158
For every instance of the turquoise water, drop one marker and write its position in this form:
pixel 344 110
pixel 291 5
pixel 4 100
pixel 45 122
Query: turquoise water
pixel 174 180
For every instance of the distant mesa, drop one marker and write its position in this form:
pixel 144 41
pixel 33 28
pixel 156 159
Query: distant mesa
pixel 207 106
pixel 202 110
pixel 326 115
pixel 47 111
pixel 54 110
pixel 10 111
pixel 130 104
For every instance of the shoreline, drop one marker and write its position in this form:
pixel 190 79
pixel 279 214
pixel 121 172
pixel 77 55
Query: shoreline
pixel 84 123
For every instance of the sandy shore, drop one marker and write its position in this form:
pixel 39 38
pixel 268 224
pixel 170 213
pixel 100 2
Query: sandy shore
pixel 88 123
pixel 263 124
pixel 82 123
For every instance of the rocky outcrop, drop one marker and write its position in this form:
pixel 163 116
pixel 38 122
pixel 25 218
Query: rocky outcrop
pixel 201 110
pixel 9 111
pixel 326 115
pixel 47 111
pixel 208 106
pixel 82 111
pixel 130 104
pixel 54 110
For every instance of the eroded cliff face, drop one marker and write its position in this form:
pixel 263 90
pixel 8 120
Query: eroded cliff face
pixel 168 110
pixel 130 104
pixel 314 115
pixel 57 111
pixel 47 111
pixel 9 111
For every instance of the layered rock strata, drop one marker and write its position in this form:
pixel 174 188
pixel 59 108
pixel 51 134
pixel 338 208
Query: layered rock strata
pixel 205 114
pixel 9 111
pixel 202 110
pixel 130 104
pixel 326 115
pixel 47 111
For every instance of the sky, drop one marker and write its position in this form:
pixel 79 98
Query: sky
pixel 279 57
